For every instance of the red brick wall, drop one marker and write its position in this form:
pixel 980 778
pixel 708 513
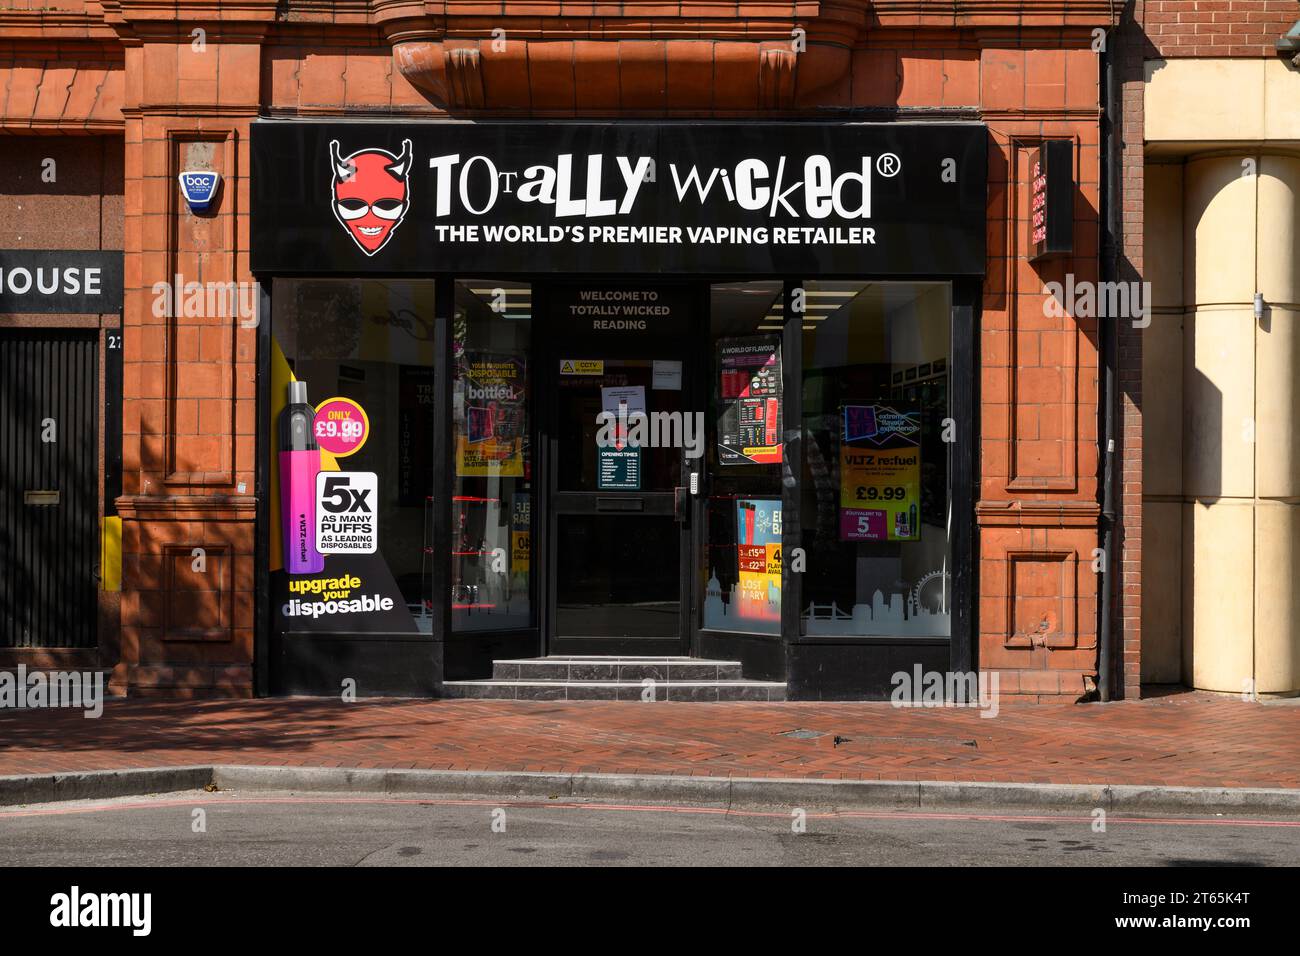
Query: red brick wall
pixel 1037 504
pixel 189 380
pixel 189 424
pixel 1216 28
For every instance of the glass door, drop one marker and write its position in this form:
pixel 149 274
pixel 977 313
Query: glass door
pixel 621 426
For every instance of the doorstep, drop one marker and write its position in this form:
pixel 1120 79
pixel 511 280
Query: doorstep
pixel 594 677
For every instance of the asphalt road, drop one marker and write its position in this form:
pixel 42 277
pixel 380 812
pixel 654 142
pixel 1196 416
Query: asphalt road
pixel 351 830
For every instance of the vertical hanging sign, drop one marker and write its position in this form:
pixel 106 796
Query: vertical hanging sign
pixel 1051 199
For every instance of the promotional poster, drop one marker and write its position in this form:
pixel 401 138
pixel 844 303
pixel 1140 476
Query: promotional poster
pixel 880 473
pixel 327 571
pixel 492 441
pixel 749 399
pixel 758 547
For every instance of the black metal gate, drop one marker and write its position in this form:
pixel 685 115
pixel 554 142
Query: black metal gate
pixel 49 530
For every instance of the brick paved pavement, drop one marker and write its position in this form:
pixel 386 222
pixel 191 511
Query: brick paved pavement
pixel 1188 739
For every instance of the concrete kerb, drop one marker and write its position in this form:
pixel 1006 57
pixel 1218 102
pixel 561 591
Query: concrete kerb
pixel 717 792
pixel 101 784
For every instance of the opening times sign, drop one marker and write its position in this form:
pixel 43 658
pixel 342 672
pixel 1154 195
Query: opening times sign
pixel 860 198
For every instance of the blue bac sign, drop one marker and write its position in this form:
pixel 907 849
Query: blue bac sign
pixel 198 187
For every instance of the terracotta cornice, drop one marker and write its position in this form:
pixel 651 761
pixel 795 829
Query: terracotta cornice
pixel 457 73
pixel 1037 513
pixel 845 21
pixel 186 507
pixel 788 53
pixel 597 20
pixel 101 47
pixel 760 55
pixel 191 11
pixel 54 25
pixel 201 109
pixel 61 128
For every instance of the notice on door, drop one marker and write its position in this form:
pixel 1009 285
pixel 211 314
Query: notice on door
pixel 667 376
pixel 618 464
pixel 619 470
pixel 749 396
pixel 582 366
pixel 880 473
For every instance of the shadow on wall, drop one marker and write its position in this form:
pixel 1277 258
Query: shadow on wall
pixel 1204 433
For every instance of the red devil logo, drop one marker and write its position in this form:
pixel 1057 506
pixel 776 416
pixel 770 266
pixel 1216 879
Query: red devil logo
pixel 371 193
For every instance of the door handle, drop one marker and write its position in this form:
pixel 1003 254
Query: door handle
pixel 681 503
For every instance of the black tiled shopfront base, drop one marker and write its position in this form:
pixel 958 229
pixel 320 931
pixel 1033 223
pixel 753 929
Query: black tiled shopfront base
pixel 617 678
pixel 382 665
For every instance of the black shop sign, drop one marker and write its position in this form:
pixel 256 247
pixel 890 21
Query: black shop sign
pixel 60 281
pixel 853 199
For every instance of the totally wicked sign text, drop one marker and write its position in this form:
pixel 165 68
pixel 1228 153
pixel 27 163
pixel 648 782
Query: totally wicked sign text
pixel 851 198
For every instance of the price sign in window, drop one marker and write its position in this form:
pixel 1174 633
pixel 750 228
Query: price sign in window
pixel 340 426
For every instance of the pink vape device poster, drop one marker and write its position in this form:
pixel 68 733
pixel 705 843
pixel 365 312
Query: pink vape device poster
pixel 299 466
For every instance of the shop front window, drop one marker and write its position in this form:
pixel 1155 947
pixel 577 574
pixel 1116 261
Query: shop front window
pixel 742 547
pixel 875 499
pixel 352 422
pixel 492 493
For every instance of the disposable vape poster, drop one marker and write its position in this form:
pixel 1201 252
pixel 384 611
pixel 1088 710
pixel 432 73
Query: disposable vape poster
pixel 757 595
pixel 749 396
pixel 618 466
pixel 490 422
pixel 880 473
pixel 327 574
